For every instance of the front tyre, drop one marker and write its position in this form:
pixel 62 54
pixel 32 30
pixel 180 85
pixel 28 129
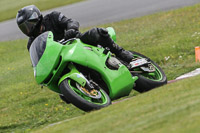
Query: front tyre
pixel 149 81
pixel 82 100
pixel 62 97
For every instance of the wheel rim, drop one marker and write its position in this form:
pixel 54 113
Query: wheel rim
pixel 157 74
pixel 101 101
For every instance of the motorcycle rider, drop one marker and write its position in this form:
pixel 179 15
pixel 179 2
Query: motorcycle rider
pixel 32 23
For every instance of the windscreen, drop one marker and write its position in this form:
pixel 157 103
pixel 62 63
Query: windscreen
pixel 37 48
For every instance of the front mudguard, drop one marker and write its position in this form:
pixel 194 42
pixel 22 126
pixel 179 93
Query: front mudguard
pixel 75 75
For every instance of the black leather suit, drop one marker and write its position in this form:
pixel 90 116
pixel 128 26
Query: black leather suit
pixel 60 25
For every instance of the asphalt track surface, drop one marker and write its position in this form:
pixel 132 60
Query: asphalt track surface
pixel 94 12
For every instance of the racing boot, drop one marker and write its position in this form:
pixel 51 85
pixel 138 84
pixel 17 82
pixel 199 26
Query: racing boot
pixel 106 41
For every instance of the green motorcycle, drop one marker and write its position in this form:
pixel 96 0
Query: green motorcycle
pixel 90 77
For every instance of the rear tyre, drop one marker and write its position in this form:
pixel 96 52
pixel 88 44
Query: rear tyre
pixel 145 82
pixel 70 90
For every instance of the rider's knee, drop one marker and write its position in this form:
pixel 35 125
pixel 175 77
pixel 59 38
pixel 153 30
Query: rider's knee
pixel 103 32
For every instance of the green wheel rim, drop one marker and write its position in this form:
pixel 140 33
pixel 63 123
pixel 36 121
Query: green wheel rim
pixel 103 100
pixel 154 76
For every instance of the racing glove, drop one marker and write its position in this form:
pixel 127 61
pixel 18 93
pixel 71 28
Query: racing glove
pixel 71 33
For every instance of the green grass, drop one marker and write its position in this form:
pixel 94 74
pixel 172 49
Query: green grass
pixel 9 8
pixel 172 108
pixel 174 34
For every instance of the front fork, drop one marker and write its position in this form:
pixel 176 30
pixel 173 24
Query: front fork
pixel 83 84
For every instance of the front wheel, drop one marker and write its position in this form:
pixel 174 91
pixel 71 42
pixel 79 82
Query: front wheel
pixel 83 99
pixel 148 81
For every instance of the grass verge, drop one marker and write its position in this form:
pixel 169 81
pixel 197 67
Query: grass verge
pixel 171 108
pixel 9 8
pixel 24 105
pixel 168 38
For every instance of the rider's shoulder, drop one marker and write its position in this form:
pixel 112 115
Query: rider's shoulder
pixel 55 13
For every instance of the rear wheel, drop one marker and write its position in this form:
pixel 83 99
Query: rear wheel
pixel 147 81
pixel 82 98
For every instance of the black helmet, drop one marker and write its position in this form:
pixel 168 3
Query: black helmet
pixel 28 18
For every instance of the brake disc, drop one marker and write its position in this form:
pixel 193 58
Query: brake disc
pixel 90 93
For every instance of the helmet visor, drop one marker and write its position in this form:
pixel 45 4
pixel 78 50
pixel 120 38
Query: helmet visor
pixel 29 25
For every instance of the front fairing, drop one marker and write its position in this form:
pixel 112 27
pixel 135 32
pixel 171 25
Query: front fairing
pixel 44 60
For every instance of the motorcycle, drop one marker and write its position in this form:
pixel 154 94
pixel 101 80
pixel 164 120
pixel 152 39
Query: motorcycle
pixel 87 76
